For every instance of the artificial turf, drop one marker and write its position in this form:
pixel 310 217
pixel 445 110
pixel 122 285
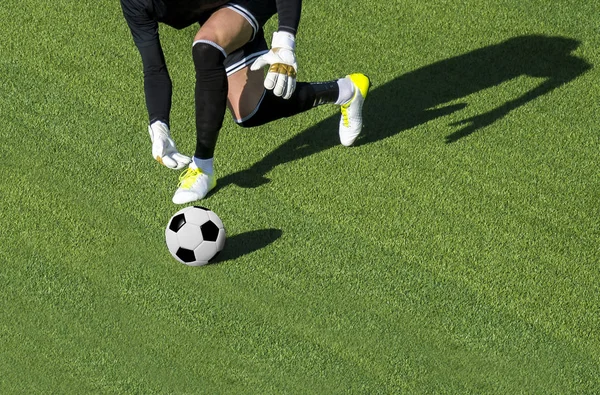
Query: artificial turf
pixel 454 249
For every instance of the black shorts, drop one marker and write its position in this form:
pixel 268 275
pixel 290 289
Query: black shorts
pixel 257 13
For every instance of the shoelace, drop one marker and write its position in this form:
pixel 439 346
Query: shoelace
pixel 345 116
pixel 345 107
pixel 188 177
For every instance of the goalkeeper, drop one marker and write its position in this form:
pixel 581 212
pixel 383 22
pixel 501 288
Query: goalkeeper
pixel 229 53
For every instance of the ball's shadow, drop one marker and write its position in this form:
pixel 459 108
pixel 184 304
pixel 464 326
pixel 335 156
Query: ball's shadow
pixel 246 243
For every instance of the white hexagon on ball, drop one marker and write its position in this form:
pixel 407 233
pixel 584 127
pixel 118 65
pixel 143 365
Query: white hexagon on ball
pixel 197 215
pixel 172 241
pixel 206 251
pixel 189 236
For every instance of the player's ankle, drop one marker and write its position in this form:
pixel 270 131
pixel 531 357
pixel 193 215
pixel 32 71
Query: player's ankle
pixel 206 165
pixel 346 91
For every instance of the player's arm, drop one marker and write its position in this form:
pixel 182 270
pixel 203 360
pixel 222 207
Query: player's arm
pixel 157 83
pixel 281 59
pixel 288 13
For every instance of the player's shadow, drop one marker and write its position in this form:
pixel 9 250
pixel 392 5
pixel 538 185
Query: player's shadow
pixel 246 243
pixel 419 96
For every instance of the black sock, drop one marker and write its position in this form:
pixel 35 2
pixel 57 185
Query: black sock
pixel 210 97
pixel 306 96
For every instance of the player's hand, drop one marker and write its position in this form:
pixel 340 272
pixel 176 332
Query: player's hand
pixel 281 77
pixel 163 147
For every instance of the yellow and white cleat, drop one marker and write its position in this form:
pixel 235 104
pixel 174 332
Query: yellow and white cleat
pixel 194 185
pixel 351 121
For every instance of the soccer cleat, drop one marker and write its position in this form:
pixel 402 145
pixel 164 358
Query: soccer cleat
pixel 194 185
pixel 351 120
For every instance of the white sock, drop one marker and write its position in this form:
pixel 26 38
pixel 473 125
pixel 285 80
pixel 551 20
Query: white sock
pixel 206 165
pixel 346 91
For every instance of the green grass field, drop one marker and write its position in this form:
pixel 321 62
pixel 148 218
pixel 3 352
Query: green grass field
pixel 455 249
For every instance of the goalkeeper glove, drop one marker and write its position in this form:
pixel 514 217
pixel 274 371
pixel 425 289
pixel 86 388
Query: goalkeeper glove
pixel 281 77
pixel 163 147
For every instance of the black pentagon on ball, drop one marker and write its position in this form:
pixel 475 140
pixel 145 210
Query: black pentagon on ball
pixel 186 255
pixel 177 222
pixel 210 231
pixel 202 208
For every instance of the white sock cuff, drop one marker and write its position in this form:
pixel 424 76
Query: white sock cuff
pixel 213 44
pixel 346 90
pixel 206 165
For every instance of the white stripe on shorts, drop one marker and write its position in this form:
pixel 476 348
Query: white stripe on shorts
pixel 247 61
pixel 247 15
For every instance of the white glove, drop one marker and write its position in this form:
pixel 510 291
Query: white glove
pixel 281 77
pixel 163 147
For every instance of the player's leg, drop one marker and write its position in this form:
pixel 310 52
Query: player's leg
pixel 223 32
pixel 246 89
pixel 252 105
pixel 269 107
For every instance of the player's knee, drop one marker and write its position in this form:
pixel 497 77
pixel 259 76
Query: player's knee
pixel 207 55
pixel 272 107
pixel 248 122
pixel 269 108
pixel 255 118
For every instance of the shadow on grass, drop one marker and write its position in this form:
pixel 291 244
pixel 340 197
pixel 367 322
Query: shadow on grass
pixel 246 243
pixel 419 96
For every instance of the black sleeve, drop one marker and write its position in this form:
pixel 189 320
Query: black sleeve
pixel 157 83
pixel 288 12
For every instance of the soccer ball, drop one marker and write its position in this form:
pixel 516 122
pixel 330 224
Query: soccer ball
pixel 195 235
